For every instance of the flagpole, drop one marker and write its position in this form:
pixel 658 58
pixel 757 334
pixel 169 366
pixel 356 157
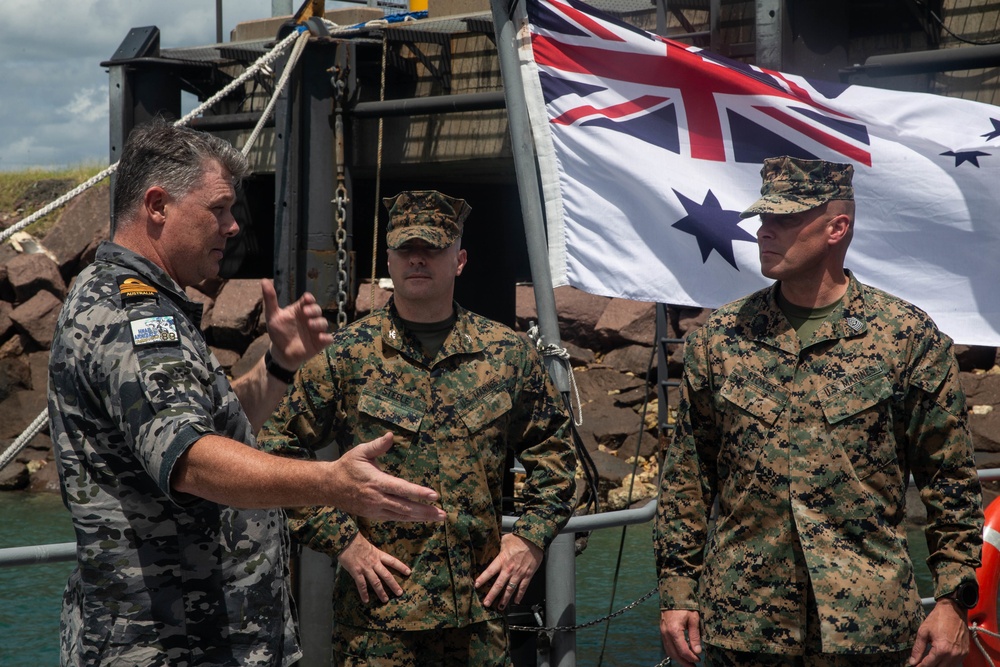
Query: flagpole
pixel 528 187
pixel 560 563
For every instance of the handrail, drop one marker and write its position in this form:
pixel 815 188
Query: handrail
pixel 66 551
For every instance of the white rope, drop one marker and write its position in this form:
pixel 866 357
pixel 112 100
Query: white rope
pixel 293 58
pixel 23 439
pixel 44 211
pixel 977 630
pixel 263 61
pixel 562 354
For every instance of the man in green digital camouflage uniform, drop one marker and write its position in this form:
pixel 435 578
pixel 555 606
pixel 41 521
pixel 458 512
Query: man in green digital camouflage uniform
pixel 458 391
pixel 155 447
pixel 805 407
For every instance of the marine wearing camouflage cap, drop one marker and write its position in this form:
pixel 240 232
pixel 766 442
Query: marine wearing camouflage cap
pixel 427 215
pixel 793 185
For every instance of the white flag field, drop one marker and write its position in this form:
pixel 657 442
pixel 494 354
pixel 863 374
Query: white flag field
pixel 648 151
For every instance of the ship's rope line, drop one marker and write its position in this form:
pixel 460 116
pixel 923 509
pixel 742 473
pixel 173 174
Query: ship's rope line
pixel 293 58
pixel 977 630
pixel 561 353
pixel 378 174
pixel 23 439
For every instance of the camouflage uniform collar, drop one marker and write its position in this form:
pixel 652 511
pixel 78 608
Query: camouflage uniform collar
pixel 112 253
pixel 463 339
pixel 850 320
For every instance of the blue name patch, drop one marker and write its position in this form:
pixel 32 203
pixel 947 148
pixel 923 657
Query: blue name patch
pixel 154 330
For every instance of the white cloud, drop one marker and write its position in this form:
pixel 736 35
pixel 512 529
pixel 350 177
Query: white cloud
pixel 54 99
pixel 89 105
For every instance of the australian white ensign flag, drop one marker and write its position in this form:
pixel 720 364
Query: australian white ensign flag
pixel 649 150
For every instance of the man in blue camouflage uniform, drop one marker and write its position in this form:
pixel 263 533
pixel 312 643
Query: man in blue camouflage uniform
pixel 458 391
pixel 805 407
pixel 155 447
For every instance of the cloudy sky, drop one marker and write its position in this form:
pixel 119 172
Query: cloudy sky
pixel 53 90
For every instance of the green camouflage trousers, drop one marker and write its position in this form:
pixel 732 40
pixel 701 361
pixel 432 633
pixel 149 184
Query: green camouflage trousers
pixel 718 657
pixel 477 645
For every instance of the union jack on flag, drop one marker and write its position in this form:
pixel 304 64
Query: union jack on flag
pixel 650 149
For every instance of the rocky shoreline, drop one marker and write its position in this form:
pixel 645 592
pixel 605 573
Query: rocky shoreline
pixel 610 344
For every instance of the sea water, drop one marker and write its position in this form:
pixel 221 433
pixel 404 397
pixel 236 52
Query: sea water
pixel 30 596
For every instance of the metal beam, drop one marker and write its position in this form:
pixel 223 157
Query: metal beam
pixel 416 106
pixel 923 62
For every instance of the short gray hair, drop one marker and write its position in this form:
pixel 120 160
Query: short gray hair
pixel 172 157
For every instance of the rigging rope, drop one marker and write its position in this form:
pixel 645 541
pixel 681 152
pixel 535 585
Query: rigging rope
pixel 23 439
pixel 378 173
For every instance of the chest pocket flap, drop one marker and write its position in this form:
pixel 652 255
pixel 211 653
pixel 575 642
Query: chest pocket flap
pixel 393 408
pixel 754 393
pixel 487 410
pixel 857 397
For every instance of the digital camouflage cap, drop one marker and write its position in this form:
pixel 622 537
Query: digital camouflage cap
pixel 427 215
pixel 792 185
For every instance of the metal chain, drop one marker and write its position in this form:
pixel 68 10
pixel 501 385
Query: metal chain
pixel 340 199
pixel 581 626
pixel 341 237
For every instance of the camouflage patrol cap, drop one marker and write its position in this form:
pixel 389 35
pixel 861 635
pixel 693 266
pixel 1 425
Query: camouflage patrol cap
pixel 792 185
pixel 427 215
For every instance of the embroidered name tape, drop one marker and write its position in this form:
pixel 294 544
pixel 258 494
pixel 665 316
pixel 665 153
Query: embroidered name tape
pixel 154 330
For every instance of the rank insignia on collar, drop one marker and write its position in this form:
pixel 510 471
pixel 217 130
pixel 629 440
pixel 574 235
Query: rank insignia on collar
pixel 392 334
pixel 855 324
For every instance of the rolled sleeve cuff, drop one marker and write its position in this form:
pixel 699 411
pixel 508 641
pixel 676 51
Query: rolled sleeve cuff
pixel 536 530
pixel 186 436
pixel 947 577
pixel 678 593
pixel 322 529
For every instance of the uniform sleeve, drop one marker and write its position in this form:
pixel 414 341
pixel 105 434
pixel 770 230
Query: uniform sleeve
pixel 159 386
pixel 541 427
pixel 940 453
pixel 688 485
pixel 306 420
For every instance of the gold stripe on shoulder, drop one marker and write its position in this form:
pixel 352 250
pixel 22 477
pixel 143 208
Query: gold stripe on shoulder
pixel 135 287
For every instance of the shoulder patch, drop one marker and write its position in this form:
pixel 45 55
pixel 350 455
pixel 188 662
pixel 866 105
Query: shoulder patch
pixel 151 330
pixel 132 287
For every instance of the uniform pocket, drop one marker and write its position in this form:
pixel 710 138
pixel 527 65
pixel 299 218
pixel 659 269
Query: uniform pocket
pixel 754 393
pixel 487 411
pixel 393 408
pixel 859 418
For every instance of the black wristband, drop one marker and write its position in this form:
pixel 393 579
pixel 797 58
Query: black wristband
pixel 277 370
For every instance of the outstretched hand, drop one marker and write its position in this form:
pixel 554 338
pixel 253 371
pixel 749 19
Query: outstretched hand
pixel 298 331
pixel 367 491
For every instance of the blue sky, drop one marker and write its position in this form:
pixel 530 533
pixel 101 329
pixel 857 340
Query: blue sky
pixel 53 90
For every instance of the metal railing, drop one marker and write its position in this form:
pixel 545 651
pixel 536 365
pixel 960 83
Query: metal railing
pixel 560 571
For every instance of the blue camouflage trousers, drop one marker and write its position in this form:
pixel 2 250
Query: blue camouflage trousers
pixel 477 645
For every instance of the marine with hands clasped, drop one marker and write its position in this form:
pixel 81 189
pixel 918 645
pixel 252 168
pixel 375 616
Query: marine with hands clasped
pixel 805 407
pixel 459 392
